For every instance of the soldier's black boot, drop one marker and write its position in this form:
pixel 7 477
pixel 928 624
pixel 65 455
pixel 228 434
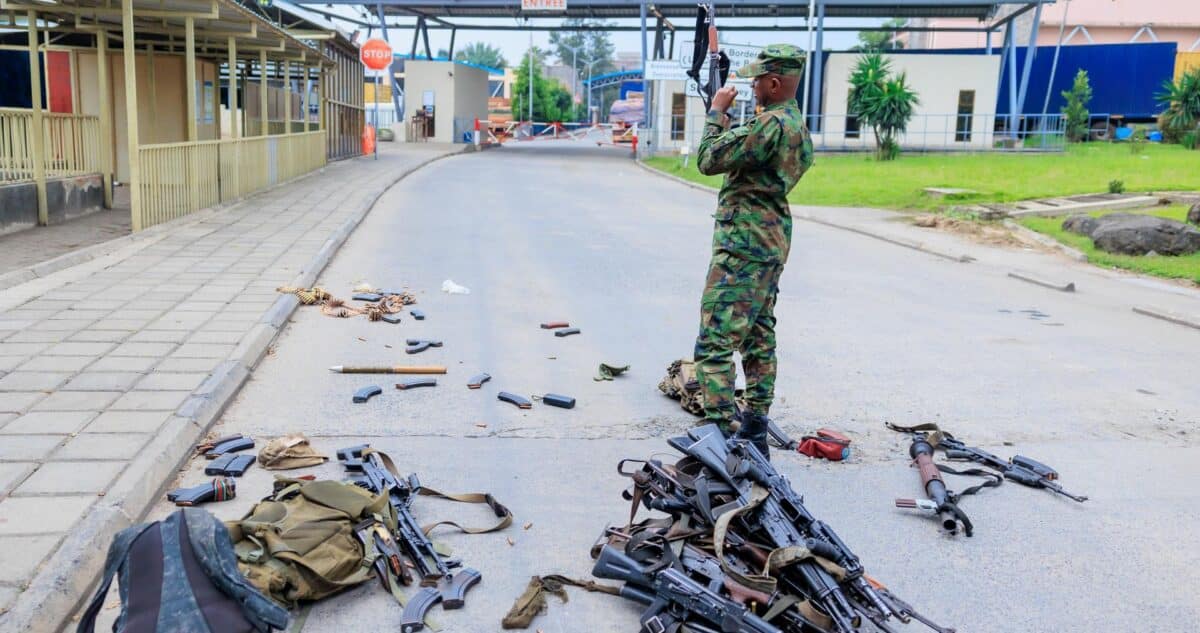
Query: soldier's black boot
pixel 754 430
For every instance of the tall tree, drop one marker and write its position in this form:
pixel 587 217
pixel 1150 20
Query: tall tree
pixel 482 54
pixel 551 102
pixel 870 41
pixel 592 45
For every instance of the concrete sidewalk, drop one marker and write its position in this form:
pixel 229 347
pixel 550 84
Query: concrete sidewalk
pixel 110 371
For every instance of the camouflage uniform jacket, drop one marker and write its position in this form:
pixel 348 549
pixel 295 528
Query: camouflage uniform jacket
pixel 762 160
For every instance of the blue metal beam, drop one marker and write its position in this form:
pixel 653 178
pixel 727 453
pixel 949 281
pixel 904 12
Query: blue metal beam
pixel 818 55
pixel 1030 52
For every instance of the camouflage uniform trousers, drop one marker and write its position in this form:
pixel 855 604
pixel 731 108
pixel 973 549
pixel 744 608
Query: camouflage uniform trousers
pixel 737 312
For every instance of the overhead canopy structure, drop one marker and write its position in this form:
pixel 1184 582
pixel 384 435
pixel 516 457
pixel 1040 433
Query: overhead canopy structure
pixel 613 9
pixel 160 23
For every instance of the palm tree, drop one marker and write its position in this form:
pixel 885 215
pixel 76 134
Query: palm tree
pixel 1182 101
pixel 482 54
pixel 883 102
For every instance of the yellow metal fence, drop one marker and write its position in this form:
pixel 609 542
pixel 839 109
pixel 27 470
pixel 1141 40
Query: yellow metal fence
pixel 71 143
pixel 182 178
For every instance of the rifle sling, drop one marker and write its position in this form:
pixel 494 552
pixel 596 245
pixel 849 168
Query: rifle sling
pixel 533 601
pixel 506 517
pixel 763 583
pixel 993 480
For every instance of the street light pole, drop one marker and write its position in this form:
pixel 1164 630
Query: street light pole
pixel 574 70
pixel 531 80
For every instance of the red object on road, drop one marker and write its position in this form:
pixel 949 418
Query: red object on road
pixel 368 139
pixel 375 54
pixel 825 443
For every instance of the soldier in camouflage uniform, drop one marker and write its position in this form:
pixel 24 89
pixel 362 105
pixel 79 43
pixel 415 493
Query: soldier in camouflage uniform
pixel 762 160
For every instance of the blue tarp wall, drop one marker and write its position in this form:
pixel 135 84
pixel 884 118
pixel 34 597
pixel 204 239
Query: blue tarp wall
pixel 1124 77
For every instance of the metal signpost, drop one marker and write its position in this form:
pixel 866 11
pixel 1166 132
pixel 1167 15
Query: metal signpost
pixel 376 55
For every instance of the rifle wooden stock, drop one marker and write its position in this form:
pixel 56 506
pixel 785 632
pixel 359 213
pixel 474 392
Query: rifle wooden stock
pixel 744 594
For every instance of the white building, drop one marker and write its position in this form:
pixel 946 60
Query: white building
pixel 957 106
pixel 957 102
pixel 453 94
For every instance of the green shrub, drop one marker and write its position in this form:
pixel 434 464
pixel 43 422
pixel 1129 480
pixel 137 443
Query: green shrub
pixel 1137 142
pixel 1116 186
pixel 1076 112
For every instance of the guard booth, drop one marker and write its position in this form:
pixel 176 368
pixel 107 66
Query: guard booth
pixel 72 122
pixel 443 100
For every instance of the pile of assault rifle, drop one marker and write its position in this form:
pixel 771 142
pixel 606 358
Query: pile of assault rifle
pixel 740 553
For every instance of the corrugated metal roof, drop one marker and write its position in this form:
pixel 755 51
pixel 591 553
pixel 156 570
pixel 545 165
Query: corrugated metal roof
pixel 979 9
pixel 161 22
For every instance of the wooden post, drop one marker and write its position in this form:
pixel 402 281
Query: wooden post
pixel 262 93
pixel 287 97
pixel 189 60
pixel 131 109
pixel 235 128
pixel 37 133
pixel 107 142
pixel 304 98
pixel 189 48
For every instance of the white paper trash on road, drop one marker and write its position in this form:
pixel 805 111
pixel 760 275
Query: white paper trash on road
pixel 450 287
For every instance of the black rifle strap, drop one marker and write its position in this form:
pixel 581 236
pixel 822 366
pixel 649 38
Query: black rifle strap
pixel 993 480
pixel 699 44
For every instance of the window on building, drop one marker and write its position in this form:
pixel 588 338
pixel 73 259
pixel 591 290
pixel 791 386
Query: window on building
pixel 678 115
pixel 966 114
pixel 852 127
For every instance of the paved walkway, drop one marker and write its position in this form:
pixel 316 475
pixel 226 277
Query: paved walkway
pixel 108 375
pixel 36 245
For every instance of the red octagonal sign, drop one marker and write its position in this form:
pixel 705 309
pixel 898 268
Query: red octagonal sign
pixel 375 54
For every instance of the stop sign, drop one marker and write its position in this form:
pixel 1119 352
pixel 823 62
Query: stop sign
pixel 375 54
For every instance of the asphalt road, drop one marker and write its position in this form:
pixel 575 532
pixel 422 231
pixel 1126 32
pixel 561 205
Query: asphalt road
pixel 868 332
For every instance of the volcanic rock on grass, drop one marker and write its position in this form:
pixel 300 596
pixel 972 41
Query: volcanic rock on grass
pixel 1193 215
pixel 1141 234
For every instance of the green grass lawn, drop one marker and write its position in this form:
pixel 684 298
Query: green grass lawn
pixel 856 180
pixel 1186 267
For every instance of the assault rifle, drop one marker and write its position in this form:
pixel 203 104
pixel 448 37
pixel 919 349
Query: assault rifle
pixel 443 580
pixel 707 48
pixel 784 520
pixel 673 598
pixel 1021 469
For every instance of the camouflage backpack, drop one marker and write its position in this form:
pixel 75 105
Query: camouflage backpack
pixel 180 574
pixel 680 384
pixel 299 544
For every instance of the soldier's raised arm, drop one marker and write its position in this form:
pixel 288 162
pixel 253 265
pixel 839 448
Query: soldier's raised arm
pixel 722 150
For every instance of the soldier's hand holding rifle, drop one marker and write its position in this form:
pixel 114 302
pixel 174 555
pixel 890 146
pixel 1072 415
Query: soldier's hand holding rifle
pixel 724 98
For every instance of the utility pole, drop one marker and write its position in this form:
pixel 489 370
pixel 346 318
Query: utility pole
pixel 531 81
pixel 574 71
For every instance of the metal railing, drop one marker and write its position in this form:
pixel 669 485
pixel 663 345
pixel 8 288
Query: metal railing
pixel 182 178
pixel 71 143
pixel 926 132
